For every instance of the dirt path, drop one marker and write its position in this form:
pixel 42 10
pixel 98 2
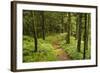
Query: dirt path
pixel 60 53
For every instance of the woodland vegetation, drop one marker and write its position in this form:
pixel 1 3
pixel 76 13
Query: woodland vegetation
pixel 56 36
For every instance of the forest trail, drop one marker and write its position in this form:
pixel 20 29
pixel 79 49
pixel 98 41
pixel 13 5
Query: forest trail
pixel 60 53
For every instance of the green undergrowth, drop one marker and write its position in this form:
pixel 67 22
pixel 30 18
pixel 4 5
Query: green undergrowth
pixel 71 49
pixel 46 51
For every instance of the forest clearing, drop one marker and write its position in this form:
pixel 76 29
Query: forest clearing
pixel 56 36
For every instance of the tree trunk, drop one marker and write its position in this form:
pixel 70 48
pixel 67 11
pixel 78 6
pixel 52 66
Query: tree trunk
pixel 88 25
pixel 43 26
pixel 68 29
pixel 34 31
pixel 77 24
pixel 85 37
pixel 62 22
pixel 79 33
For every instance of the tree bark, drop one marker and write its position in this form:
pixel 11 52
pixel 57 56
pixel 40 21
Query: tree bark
pixel 77 24
pixel 34 31
pixel 85 37
pixel 62 22
pixel 68 29
pixel 79 33
pixel 43 26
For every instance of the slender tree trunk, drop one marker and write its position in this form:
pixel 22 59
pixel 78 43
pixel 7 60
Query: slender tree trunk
pixel 85 37
pixel 43 26
pixel 68 29
pixel 79 33
pixel 77 22
pixel 34 30
pixel 62 23
pixel 88 30
pixel 71 26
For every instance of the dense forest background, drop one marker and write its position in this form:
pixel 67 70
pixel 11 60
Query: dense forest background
pixel 55 36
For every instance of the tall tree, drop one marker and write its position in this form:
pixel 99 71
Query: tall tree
pixel 85 36
pixel 79 33
pixel 88 25
pixel 68 29
pixel 62 21
pixel 77 23
pixel 33 22
pixel 43 25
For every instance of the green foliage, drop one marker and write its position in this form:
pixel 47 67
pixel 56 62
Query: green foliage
pixel 59 27
pixel 45 52
pixel 71 49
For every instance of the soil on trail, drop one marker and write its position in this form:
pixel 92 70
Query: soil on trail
pixel 60 53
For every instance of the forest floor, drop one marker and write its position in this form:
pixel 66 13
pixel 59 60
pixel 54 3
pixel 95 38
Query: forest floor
pixel 60 53
pixel 53 48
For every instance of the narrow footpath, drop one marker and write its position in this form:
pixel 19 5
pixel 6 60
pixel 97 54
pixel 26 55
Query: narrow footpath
pixel 60 53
